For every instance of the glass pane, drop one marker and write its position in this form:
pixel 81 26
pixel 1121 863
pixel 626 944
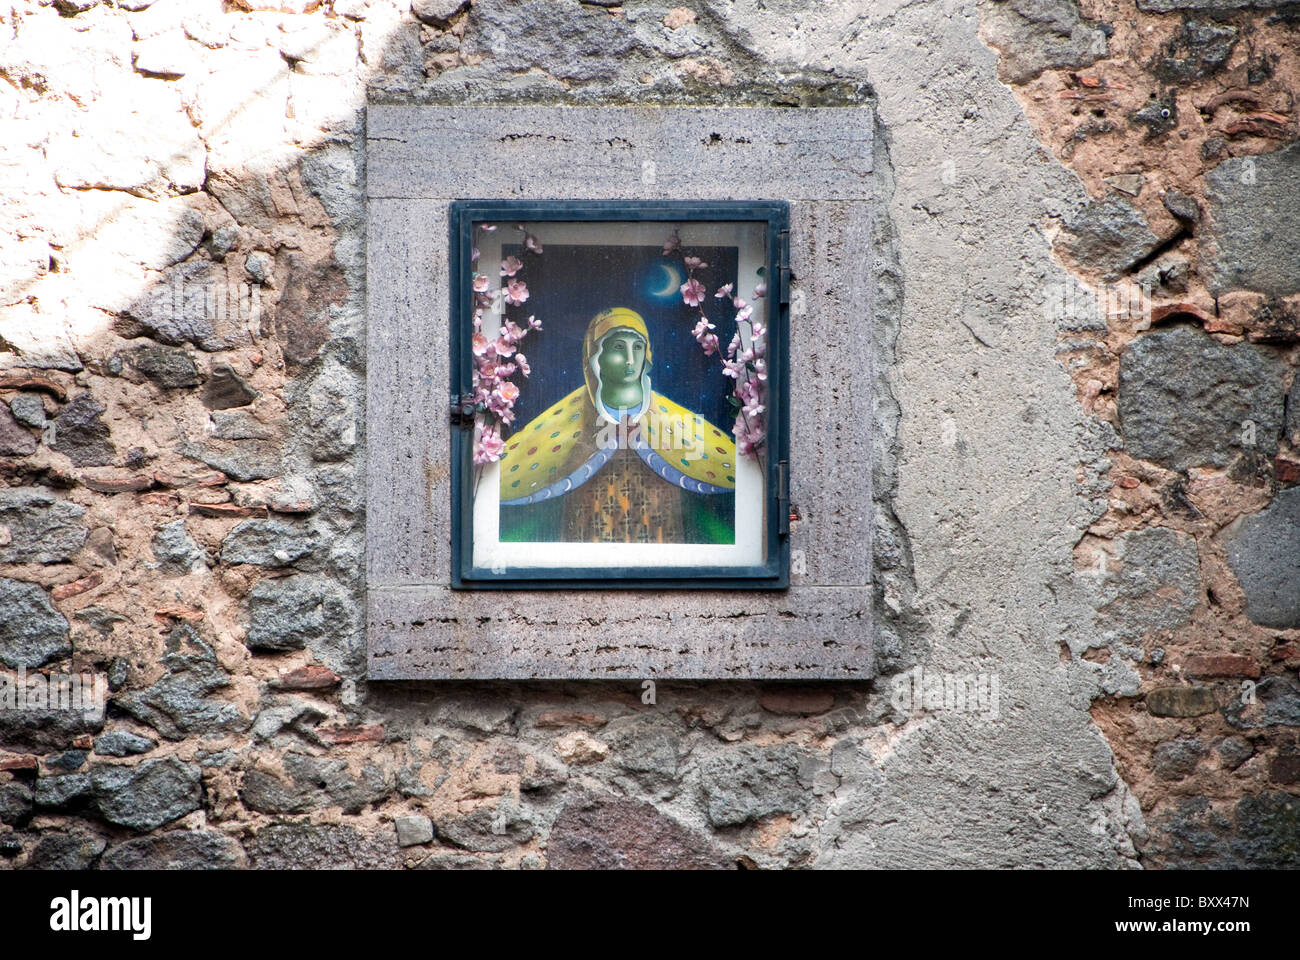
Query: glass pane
pixel 621 389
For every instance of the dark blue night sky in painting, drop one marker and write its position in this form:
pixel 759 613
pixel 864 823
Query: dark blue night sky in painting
pixel 570 284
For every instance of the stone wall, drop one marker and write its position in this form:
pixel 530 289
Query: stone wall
pixel 1095 509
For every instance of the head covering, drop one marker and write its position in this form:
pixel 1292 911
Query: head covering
pixel 602 325
pixel 557 451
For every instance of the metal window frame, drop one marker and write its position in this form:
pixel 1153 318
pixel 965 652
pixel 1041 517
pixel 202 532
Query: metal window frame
pixel 774 574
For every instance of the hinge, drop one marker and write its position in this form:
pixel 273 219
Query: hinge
pixel 462 411
pixel 783 280
pixel 783 497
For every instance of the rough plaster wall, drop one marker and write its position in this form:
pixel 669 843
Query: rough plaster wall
pixel 207 556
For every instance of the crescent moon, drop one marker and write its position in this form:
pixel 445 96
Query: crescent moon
pixel 672 281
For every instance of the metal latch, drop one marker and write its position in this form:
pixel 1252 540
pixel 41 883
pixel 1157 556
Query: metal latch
pixel 783 269
pixel 462 411
pixel 783 497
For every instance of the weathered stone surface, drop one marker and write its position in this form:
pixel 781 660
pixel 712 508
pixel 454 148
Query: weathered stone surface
pixel 14 440
pixel 176 552
pixel 166 55
pixel 623 834
pixel 194 302
pixel 1264 552
pixel 42 528
pixel 61 791
pixel 303 311
pixel 488 828
pixel 82 435
pixel 28 409
pixel 269 543
pixel 65 851
pixel 332 412
pixel 149 795
pixel 239 425
pixel 1108 235
pixel 308 846
pixel 746 783
pixel 414 830
pixel 1272 702
pixel 15 803
pixel 1038 35
pixel 32 632
pixel 1157 585
pixel 1183 207
pixel 793 154
pixel 1255 222
pixel 177 850
pixel 180 705
pixel 168 367
pixel 1222 6
pixel 289 614
pixel 226 389
pixel 437 11
pixel 314 783
pixel 244 460
pixel 1187 400
pixel 1177 759
pixel 1293 414
pixel 45 730
pixel 1181 701
pixel 1198 49
pixel 1262 831
pixel 123 743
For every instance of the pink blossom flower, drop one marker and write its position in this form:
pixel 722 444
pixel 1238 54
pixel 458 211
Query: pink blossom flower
pixel 510 266
pixel 761 289
pixel 512 332
pixel 532 243
pixel 760 368
pixel 489 447
pixel 534 323
pixel 481 283
pixel 504 347
pixel 674 242
pixel 516 292
pixel 695 263
pixel 692 292
pixel 744 311
pixel 508 392
pixel 701 328
pixel 487 227
pixel 522 361
pixel 724 292
pixel 479 344
pixel 757 331
pixel 710 344
pixel 504 370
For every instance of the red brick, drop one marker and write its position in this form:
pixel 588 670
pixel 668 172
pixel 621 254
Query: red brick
pixel 34 383
pixel 1285 768
pixel 1220 665
pixel 136 484
pixel 801 703
pixel 18 761
pixel 310 677
pixel 1286 471
pixel 371 734
pixel 188 614
pixel 224 510
pixel 77 586
pixel 1286 651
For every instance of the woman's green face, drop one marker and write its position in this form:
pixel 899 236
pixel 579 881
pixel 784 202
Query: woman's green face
pixel 622 359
